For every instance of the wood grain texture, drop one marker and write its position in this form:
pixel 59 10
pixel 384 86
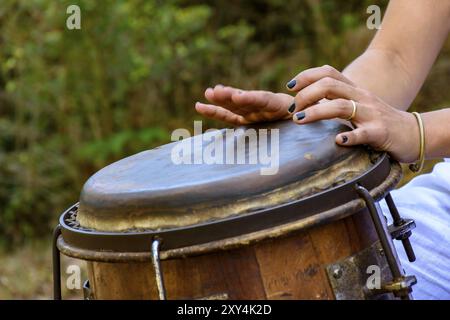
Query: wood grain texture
pixel 290 267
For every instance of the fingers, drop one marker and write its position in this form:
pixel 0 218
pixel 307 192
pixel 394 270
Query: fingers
pixel 219 113
pixel 308 77
pixel 236 100
pixel 353 138
pixel 326 88
pixel 249 105
pixel 249 98
pixel 338 108
pixel 245 102
pixel 221 96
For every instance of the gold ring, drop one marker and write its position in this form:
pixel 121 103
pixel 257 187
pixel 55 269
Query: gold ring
pixel 353 112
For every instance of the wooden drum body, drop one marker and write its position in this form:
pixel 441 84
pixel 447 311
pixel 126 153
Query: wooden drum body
pixel 151 229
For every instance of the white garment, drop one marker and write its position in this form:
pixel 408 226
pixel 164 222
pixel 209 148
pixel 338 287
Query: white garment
pixel 426 199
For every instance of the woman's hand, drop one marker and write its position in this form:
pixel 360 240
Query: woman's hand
pixel 376 123
pixel 239 107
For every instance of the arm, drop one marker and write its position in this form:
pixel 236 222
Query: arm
pixel 403 51
pixel 393 68
pixel 401 56
pixel 389 73
pixel 437 133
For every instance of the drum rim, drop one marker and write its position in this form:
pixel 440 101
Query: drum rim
pixel 127 246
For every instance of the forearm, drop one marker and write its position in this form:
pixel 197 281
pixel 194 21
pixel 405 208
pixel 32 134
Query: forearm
pixel 437 133
pixel 382 73
pixel 403 51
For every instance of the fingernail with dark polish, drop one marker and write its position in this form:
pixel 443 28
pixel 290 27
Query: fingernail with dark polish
pixel 344 139
pixel 300 115
pixel 291 83
pixel 292 108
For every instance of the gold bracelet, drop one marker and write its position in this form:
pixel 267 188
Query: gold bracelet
pixel 418 166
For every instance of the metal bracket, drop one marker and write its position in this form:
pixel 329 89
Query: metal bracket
pixel 388 247
pixel 349 277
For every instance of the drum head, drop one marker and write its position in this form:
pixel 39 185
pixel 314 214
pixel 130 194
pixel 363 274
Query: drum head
pixel 148 191
pixel 195 208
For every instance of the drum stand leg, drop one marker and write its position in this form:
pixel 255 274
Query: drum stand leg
pixel 401 285
pixel 157 268
pixel 56 265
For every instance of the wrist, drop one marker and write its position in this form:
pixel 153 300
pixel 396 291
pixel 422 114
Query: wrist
pixel 409 139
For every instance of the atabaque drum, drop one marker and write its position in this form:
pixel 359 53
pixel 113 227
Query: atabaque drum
pixel 166 223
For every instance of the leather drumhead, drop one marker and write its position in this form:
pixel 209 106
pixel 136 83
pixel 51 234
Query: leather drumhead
pixel 149 191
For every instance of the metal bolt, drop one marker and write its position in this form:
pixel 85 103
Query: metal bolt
pixel 381 252
pixel 337 272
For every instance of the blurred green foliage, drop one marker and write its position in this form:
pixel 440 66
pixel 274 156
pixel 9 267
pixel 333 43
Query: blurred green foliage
pixel 72 101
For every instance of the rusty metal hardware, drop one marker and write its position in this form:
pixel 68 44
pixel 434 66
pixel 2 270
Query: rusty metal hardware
pixel 348 277
pixel 390 253
pixel 401 228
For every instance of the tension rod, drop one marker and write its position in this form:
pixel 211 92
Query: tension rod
pixel 386 242
pixel 399 221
